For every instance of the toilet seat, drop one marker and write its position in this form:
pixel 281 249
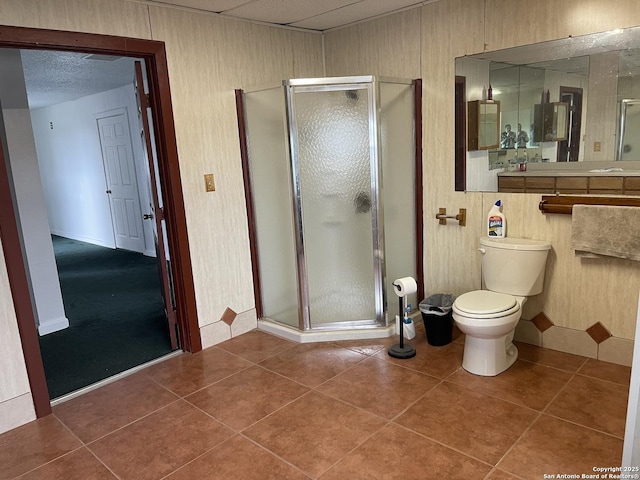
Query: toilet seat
pixel 481 304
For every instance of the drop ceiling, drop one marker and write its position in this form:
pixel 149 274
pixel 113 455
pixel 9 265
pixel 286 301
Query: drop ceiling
pixel 56 77
pixel 317 15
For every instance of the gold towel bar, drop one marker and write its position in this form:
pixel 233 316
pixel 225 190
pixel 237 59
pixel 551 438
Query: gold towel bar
pixel 565 203
pixel 461 217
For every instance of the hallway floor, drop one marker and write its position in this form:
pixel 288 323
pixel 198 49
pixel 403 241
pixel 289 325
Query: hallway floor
pixel 260 407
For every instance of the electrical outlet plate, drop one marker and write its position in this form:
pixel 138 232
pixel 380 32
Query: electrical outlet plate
pixel 209 185
pixel 596 146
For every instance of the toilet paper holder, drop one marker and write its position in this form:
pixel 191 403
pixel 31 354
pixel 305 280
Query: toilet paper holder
pixel 403 287
pixel 461 217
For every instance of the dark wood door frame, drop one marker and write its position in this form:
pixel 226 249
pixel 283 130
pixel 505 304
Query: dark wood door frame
pixel 460 134
pixel 419 192
pixel 154 55
pixel 570 152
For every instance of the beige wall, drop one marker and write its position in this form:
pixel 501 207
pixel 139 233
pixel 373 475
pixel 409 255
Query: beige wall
pixel 578 292
pixel 209 57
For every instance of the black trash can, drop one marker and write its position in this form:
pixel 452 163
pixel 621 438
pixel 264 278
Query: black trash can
pixel 437 318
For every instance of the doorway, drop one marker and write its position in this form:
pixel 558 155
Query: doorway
pixel 173 218
pixel 569 149
pixel 112 299
pixel 93 178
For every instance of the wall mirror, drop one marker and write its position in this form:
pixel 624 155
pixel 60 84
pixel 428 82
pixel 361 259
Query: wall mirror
pixel 629 141
pixel 570 100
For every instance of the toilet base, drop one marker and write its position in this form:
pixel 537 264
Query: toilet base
pixel 489 356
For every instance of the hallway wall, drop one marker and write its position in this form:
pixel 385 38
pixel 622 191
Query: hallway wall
pixel 72 170
pixel 45 287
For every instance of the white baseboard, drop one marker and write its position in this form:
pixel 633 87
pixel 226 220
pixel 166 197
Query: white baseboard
pixel 82 238
pixel 326 335
pixel 15 412
pixel 54 325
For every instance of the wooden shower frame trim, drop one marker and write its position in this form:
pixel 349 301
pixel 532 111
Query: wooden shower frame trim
pixel 154 55
pixel 244 153
pixel 248 197
pixel 417 121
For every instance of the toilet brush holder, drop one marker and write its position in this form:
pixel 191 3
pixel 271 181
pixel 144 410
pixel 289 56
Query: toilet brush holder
pixel 400 350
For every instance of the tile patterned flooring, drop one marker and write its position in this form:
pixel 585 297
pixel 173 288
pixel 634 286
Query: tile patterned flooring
pixel 260 407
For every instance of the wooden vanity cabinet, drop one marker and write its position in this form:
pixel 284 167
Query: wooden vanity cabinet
pixel 606 185
pixel 511 184
pixel 572 185
pixel 632 185
pixel 539 184
pixel 599 185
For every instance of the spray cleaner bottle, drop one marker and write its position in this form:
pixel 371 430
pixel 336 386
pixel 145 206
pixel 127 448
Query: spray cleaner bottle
pixel 496 222
pixel 409 328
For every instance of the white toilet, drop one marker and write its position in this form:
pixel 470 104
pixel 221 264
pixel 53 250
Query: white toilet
pixel 512 269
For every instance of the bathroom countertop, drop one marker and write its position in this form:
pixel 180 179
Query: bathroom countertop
pixel 569 173
pixel 576 169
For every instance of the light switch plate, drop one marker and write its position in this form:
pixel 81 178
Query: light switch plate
pixel 209 184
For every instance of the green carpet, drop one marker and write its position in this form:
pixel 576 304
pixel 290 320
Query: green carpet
pixel 113 301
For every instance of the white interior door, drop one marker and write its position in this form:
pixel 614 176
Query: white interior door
pixel 122 185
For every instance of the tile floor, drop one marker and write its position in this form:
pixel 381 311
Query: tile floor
pixel 260 407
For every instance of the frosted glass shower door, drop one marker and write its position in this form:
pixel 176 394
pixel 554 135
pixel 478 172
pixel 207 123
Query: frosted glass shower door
pixel 331 133
pixel 270 182
pixel 397 157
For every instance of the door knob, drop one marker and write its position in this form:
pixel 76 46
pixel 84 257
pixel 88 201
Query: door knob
pixel 147 216
pixel 108 192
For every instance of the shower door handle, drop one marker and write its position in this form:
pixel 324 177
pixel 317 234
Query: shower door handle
pixel 362 202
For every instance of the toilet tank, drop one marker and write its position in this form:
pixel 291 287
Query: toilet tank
pixel 514 265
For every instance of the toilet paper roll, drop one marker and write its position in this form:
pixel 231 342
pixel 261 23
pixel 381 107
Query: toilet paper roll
pixel 405 286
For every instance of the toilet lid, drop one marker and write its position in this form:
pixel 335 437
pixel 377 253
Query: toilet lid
pixel 484 302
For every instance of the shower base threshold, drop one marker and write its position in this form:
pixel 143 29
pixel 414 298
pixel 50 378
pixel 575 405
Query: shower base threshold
pixel 291 333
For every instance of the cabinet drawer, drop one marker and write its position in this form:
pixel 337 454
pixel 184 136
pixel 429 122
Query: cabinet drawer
pixel 611 184
pixel 511 184
pixel 571 184
pixel 540 184
pixel 632 185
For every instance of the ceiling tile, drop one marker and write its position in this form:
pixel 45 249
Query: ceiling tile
pixel 353 13
pixel 215 6
pixel 286 11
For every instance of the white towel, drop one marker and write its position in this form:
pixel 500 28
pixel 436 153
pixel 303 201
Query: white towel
pixel 606 230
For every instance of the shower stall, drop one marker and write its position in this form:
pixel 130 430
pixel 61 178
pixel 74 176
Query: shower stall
pixel 332 194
